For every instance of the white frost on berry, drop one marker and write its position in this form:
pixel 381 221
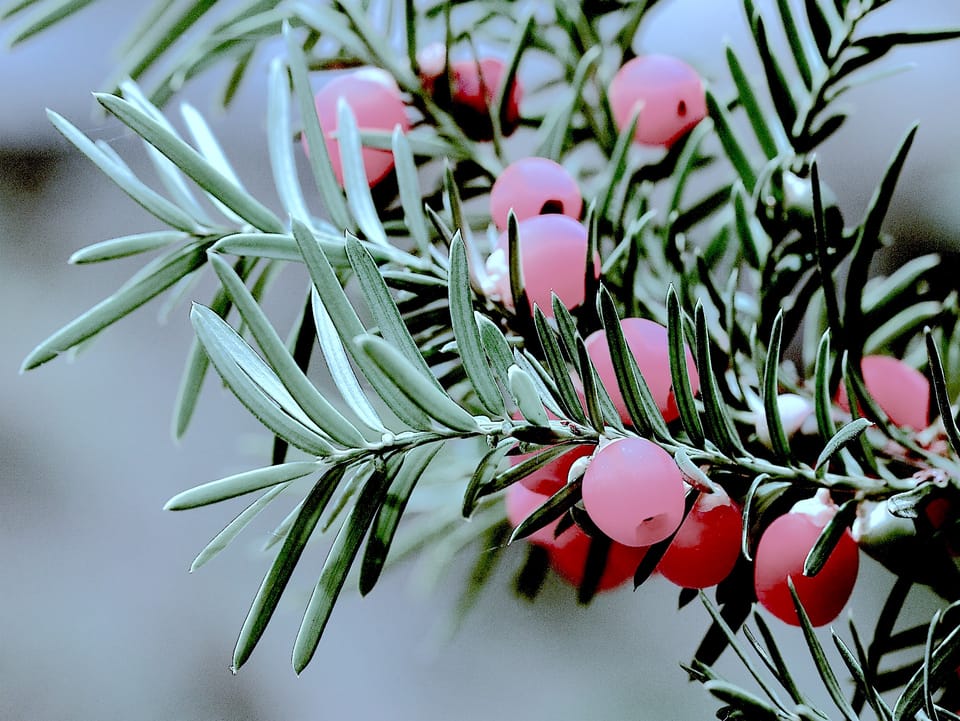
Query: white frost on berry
pixel 794 410
pixel 497 273
pixel 820 507
pixel 377 75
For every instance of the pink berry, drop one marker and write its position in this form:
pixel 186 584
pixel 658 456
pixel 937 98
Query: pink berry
pixel 780 555
pixel 648 342
pixel 473 89
pixel 569 559
pixel 553 255
pixel 375 103
pixel 634 492
pixel 521 502
pixel 707 546
pixel 901 391
pixel 531 187
pixel 668 92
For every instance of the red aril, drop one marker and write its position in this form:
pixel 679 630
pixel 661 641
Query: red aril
pixel 780 555
pixel 534 186
pixel 473 89
pixel 521 502
pixel 569 559
pixel 707 546
pixel 376 103
pixel 552 477
pixel 901 391
pixel 668 93
pixel 634 492
pixel 553 256
pixel 648 343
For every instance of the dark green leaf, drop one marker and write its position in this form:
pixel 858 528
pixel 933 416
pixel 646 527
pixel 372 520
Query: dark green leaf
pixel 721 426
pixel 337 565
pixel 771 390
pixel 741 652
pixel 779 665
pixel 754 706
pixel 875 700
pixel 404 378
pixel 769 133
pixel 276 579
pixel 391 511
pixel 485 471
pixel 383 309
pixel 549 511
pixel 465 330
pixel 940 392
pixel 868 237
pixel 347 324
pixel 820 660
pixel 829 537
pixel 682 389
pixel 633 387
pixel 558 368
pixel 850 432
pixel 731 143
pixel 344 379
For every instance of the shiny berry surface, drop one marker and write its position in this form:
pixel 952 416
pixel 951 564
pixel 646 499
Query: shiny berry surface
pixel 707 546
pixel 648 342
pixel 534 186
pixel 781 553
pixel 553 256
pixel 668 92
pixel 634 492
pixel 901 391
pixel 376 104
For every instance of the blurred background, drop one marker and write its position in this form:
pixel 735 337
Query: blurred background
pixel 99 618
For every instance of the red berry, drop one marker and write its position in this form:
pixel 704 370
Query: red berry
pixel 633 491
pixel 473 89
pixel 782 550
pixel 376 103
pixel 553 255
pixel 669 93
pixel 569 559
pixel 648 342
pixel 707 546
pixel 521 502
pixel 552 477
pixel 901 391
pixel 531 187
pixel 568 552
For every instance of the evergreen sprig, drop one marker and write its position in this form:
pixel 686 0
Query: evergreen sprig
pixel 438 368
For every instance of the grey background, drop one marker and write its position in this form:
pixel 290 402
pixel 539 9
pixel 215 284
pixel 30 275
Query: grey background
pixel 98 617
